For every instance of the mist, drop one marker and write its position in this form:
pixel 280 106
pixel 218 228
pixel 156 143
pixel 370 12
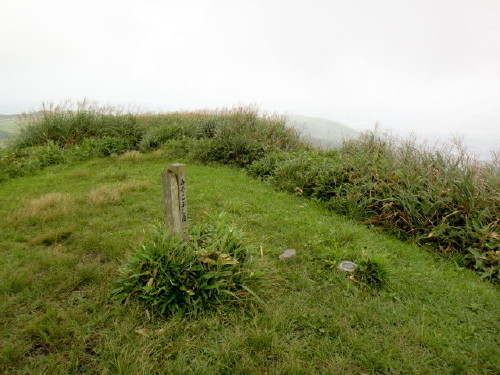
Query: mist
pixel 427 67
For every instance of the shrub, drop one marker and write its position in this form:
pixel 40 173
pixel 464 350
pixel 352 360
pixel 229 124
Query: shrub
pixel 242 137
pixel 106 146
pixel 208 269
pixel 22 162
pixel 47 155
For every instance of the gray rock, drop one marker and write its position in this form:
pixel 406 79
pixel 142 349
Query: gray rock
pixel 347 266
pixel 288 254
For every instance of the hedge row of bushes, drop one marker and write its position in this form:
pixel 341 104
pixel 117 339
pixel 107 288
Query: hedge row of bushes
pixel 23 161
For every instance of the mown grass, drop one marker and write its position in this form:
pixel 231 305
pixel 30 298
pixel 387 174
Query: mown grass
pixel 57 271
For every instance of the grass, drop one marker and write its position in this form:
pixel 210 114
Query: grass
pixel 441 198
pixel 112 194
pixel 60 255
pixel 44 208
pixel 444 200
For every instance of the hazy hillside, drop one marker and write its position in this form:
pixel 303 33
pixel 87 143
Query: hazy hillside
pixel 8 127
pixel 8 124
pixel 321 132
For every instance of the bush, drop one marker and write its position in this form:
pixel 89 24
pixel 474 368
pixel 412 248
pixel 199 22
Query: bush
pixel 22 162
pixel 209 269
pixel 242 137
pixel 238 136
pixel 440 199
pixel 106 146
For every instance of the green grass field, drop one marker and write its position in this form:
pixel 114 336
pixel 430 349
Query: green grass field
pixel 66 230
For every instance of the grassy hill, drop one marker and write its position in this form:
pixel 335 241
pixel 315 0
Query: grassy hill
pixel 8 127
pixel 66 231
pixel 321 132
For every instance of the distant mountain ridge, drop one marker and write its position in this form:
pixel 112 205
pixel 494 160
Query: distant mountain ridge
pixel 321 132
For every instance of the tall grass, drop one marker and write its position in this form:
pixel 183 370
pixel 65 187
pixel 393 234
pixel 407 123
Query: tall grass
pixel 77 131
pixel 441 198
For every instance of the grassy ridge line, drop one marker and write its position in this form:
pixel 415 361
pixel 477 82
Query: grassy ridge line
pixel 64 234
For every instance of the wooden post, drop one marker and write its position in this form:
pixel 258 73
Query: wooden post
pixel 174 198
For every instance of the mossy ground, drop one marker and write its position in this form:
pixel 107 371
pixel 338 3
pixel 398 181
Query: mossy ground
pixel 65 232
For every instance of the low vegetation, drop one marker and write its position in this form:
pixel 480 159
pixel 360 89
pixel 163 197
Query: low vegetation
pixel 211 268
pixel 58 278
pixel 441 199
pixel 85 289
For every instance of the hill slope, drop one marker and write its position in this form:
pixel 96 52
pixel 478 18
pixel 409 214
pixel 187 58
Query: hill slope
pixel 8 127
pixel 321 132
pixel 66 231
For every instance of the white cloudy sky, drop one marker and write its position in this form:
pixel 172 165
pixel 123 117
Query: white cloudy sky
pixel 432 66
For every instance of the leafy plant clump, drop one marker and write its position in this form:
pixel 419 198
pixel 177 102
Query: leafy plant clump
pixel 210 268
pixel 370 273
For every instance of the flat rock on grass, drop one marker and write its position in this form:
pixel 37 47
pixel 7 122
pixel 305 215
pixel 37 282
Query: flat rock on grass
pixel 288 254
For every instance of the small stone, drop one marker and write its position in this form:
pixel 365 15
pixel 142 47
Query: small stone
pixel 347 266
pixel 288 254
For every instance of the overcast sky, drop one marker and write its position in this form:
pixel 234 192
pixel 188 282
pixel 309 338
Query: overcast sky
pixel 431 66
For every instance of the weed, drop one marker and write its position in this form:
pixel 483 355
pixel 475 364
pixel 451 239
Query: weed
pixel 173 274
pixel 370 272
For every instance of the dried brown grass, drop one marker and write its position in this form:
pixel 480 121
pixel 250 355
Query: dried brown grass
pixel 46 207
pixel 130 156
pixel 112 194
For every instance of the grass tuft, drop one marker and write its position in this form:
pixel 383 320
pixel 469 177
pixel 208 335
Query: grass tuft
pixel 52 237
pixel 130 156
pixel 46 207
pixel 209 269
pixel 104 195
pixel 112 194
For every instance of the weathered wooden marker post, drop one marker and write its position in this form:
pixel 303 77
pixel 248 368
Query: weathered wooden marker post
pixel 174 198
